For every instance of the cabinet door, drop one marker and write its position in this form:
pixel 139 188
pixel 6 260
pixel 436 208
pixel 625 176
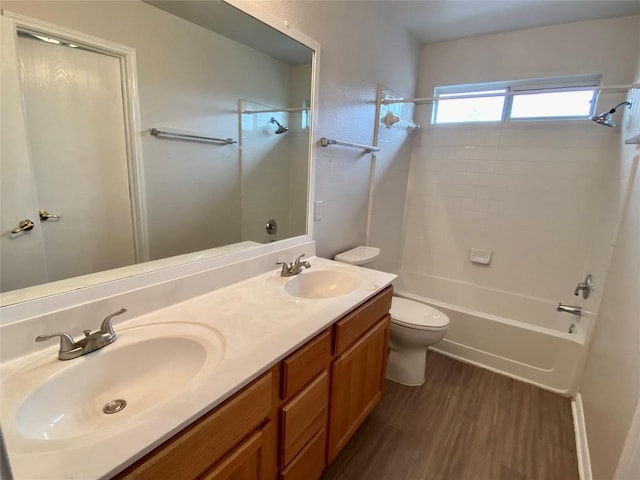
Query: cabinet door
pixel 200 446
pixel 246 462
pixel 357 383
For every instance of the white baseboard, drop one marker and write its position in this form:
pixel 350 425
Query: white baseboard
pixel 582 446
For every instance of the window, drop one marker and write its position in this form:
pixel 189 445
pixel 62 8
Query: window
pixel 479 109
pixel 550 98
pixel 556 104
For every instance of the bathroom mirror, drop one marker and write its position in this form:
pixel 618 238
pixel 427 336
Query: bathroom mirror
pixel 139 135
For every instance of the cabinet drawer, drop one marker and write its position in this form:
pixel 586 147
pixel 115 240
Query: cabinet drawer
pixel 308 465
pixel 195 449
pixel 304 364
pixel 356 323
pixel 303 417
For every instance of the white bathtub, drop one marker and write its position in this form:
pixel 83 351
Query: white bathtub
pixel 521 337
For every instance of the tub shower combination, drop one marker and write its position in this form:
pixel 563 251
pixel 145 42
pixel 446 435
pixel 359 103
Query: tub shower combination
pixel 521 337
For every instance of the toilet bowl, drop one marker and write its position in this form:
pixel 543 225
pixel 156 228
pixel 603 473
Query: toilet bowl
pixel 415 326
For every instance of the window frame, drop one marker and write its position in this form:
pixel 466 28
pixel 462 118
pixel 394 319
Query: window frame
pixel 570 83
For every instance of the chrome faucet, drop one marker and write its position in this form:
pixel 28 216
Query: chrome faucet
pixel 294 268
pixel 91 342
pixel 572 309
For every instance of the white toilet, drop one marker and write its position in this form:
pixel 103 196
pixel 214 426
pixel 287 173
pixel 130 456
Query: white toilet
pixel 414 327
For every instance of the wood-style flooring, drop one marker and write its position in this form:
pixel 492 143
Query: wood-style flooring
pixel 464 423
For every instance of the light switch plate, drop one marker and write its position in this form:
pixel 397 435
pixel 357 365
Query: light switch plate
pixel 318 210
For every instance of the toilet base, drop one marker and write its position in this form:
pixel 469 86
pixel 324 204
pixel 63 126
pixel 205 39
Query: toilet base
pixel 407 366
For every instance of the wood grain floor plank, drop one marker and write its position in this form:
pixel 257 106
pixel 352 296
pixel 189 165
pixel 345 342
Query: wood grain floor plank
pixel 465 423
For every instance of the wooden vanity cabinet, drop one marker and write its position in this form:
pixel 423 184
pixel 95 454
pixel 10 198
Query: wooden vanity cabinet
pixel 357 383
pixel 304 410
pixel 247 461
pixel 361 340
pixel 351 358
pixel 294 419
pixel 233 441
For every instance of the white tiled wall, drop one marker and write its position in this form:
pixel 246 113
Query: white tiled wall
pixel 531 190
pixel 526 191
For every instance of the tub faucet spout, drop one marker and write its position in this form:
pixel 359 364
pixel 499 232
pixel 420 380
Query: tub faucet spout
pixel 572 309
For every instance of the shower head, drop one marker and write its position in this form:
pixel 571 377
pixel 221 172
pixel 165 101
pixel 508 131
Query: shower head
pixel 606 118
pixel 281 128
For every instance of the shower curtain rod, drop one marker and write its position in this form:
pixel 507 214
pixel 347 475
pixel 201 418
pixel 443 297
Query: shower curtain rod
pixel 427 100
pixel 274 110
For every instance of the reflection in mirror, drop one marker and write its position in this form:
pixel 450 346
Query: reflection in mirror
pixel 79 147
pixel 273 142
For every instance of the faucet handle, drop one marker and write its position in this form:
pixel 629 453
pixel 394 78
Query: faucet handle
pixel 297 262
pixel 585 287
pixel 106 327
pixel 285 267
pixel 66 341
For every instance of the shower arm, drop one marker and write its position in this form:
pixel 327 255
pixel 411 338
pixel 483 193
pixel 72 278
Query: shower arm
pixel 613 110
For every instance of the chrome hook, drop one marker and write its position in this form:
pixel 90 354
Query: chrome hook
pixel 24 226
pixel 45 215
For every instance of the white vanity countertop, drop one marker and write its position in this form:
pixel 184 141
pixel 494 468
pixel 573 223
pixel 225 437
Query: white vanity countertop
pixel 257 322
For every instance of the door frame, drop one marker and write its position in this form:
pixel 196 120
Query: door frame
pixel 131 112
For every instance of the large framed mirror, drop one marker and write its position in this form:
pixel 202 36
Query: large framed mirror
pixel 140 135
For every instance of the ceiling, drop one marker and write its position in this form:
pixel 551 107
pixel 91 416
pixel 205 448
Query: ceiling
pixel 432 21
pixel 428 21
pixel 236 25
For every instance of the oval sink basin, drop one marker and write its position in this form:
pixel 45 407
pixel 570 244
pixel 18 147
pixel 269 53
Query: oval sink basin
pixel 322 284
pixel 145 366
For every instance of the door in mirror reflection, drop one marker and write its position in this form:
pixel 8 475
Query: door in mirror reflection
pixel 75 139
pixel 76 132
pixel 274 143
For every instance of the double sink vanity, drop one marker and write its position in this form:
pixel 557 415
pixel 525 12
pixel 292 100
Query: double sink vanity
pixel 265 378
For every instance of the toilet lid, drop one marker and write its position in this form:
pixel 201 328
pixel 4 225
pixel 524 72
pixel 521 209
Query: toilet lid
pixel 358 255
pixel 417 315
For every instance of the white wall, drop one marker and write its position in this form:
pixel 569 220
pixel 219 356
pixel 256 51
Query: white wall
pixel 390 191
pixel 529 190
pixel 189 78
pixel 610 384
pixel 360 49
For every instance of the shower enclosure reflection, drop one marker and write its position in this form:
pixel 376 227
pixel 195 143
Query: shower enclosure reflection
pixel 178 195
pixel 271 156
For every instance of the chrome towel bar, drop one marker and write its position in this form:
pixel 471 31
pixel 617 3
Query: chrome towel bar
pixel 184 136
pixel 325 142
